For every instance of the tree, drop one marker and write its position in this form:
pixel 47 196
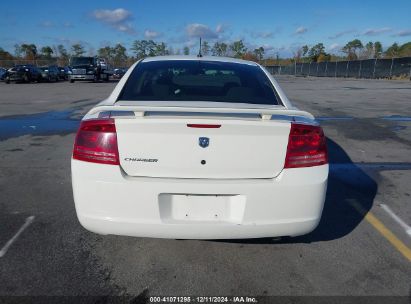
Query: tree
pixel 305 50
pixel 17 50
pixel 205 48
pixel 393 50
pixel 219 49
pixel 46 51
pixel 297 54
pixel 77 49
pixel 351 49
pixel 323 57
pixel 316 51
pixel 405 50
pixel 144 48
pixel 161 49
pixel 259 53
pixel 106 52
pixel 4 55
pixel 30 51
pixel 249 56
pixel 62 52
pixel 186 50
pixel 369 50
pixel 238 48
pixel 377 49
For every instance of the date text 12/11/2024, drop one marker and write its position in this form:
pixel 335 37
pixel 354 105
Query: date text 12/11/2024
pixel 202 299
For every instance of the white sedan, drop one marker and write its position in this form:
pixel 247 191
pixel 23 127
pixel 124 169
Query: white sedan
pixel 199 148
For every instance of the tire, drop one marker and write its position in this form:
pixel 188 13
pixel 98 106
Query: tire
pixel 7 80
pixel 71 80
pixel 26 78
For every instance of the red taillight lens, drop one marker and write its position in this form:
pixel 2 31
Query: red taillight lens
pixel 306 147
pixel 96 142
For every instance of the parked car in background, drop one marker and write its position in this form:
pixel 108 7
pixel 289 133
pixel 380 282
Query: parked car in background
pixel 49 73
pixel 199 148
pixel 23 73
pixel 63 72
pixel 2 73
pixel 119 73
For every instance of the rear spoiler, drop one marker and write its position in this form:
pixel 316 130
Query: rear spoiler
pixel 116 111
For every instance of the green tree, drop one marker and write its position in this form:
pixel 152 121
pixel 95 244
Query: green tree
pixel 106 52
pixel 78 49
pixel 352 48
pixel 17 50
pixel 305 50
pixel 219 49
pixel 4 55
pixel 143 48
pixel 205 48
pixel 405 50
pixel 259 53
pixel 393 50
pixel 186 50
pixel 29 50
pixel 316 51
pixel 377 49
pixel 46 51
pixel 63 54
pixel 369 50
pixel 238 48
pixel 161 49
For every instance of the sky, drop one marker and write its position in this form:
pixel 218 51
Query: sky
pixel 279 26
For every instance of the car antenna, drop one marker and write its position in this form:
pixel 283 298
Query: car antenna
pixel 199 52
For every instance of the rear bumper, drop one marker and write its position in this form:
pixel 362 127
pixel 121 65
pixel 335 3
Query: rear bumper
pixel 109 202
pixel 81 77
pixel 16 77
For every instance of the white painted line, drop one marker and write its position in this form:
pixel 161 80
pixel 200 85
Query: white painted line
pixel 397 219
pixel 6 247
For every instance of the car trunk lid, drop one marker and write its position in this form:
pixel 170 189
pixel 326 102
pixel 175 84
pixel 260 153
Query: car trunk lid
pixel 197 147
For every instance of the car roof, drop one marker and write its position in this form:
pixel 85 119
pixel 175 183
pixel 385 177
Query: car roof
pixel 195 58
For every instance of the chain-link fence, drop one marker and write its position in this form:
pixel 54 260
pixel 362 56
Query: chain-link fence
pixel 368 68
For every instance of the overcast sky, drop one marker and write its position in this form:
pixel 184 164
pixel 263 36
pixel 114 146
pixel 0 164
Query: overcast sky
pixel 277 26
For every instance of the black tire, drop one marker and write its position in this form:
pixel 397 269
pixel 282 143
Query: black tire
pixel 71 80
pixel 26 78
pixel 7 80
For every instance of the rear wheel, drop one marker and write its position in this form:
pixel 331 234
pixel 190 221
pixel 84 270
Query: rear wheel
pixel 7 80
pixel 71 80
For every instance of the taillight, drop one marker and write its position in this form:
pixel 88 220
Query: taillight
pixel 96 142
pixel 306 147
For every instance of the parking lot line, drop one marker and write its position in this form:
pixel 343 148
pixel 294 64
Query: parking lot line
pixel 383 230
pixel 397 219
pixel 6 247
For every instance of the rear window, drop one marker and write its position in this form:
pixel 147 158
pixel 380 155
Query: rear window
pixel 180 80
